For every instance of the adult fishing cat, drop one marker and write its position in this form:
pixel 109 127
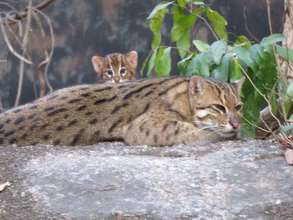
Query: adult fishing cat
pixel 161 111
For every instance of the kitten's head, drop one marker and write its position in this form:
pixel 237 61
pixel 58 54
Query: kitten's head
pixel 216 105
pixel 116 67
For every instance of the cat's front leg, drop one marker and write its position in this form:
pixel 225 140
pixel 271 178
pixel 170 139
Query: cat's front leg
pixel 165 132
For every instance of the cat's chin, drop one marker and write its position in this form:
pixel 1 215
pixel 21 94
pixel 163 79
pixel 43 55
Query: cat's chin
pixel 229 135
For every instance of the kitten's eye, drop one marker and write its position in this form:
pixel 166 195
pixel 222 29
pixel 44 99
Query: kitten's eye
pixel 220 107
pixel 110 72
pixel 238 107
pixel 123 71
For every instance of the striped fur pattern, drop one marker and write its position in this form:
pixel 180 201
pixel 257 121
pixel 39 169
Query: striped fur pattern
pixel 116 67
pixel 157 112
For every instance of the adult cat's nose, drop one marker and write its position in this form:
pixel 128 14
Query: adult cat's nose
pixel 234 123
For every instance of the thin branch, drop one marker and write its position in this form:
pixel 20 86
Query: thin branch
pixel 24 46
pixel 209 26
pixel 268 3
pixel 21 15
pixel 246 25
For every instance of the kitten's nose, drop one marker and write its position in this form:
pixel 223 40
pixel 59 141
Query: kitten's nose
pixel 116 79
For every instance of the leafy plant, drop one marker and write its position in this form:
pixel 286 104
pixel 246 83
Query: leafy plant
pixel 221 59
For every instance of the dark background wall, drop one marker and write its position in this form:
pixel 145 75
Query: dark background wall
pixel 88 27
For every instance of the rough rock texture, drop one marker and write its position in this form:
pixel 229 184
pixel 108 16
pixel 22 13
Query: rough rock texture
pixel 229 180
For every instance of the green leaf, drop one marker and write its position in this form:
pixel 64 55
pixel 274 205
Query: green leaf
pixel 155 26
pixel 182 24
pixel 163 61
pixel 242 41
pixel 285 52
pixel 222 71
pixel 235 70
pixel 272 39
pixel 290 90
pixel 200 65
pixel 218 49
pixel 183 44
pixel 151 63
pixel 243 55
pixel 218 23
pixel 162 6
pixel 201 46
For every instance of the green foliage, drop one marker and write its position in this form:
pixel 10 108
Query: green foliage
pixel 220 59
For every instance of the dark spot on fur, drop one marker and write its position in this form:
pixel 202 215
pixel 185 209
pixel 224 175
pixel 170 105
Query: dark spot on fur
pixel 19 120
pixel 95 137
pixel 63 97
pixel 118 107
pixel 21 127
pixel 56 142
pixel 86 94
pixel 100 101
pixel 17 110
pixel 31 116
pixel 74 101
pixel 72 123
pixel 33 107
pixel 102 89
pixel 80 108
pixel 65 116
pixel 88 113
pixel 141 127
pixel 93 121
pixel 77 137
pixel 9 133
pixel 7 121
pixel 165 127
pixel 49 108
pixel 23 136
pixel 34 143
pixel 147 132
pixel 12 141
pixel 156 138
pixel 1 141
pixel 1 126
pixel 59 128
pixel 57 111
pixel 44 126
pixel 176 131
pixel 115 124
pixel 33 127
pixel 52 97
pixel 46 137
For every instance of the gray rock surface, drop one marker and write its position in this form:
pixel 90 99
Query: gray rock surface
pixel 228 180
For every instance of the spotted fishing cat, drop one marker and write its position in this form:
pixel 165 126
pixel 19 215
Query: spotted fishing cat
pixel 116 67
pixel 163 111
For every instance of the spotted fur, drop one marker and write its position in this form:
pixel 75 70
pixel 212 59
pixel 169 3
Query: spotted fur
pixel 156 112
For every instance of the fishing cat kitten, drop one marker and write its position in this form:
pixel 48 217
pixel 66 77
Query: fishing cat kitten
pixel 163 111
pixel 116 67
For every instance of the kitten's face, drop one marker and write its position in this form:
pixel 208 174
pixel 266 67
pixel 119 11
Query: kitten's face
pixel 116 67
pixel 216 106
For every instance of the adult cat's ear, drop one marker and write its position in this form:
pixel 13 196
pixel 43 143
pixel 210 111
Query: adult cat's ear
pixel 131 58
pixel 238 84
pixel 196 84
pixel 98 62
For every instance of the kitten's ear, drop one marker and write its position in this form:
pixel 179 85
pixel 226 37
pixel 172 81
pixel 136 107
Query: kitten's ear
pixel 238 84
pixel 98 62
pixel 196 84
pixel 131 58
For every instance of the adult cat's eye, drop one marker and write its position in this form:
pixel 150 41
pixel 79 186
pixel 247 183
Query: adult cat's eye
pixel 123 71
pixel 238 107
pixel 220 107
pixel 110 72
